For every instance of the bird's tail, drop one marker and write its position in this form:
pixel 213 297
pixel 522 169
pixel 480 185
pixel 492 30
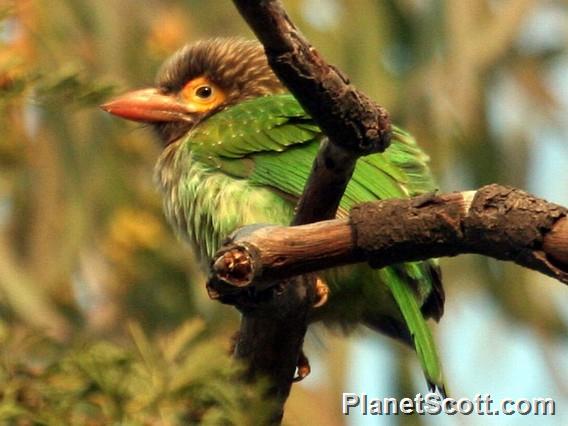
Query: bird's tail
pixel 424 344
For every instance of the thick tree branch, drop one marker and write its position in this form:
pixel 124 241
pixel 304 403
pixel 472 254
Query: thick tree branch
pixel 275 317
pixel 354 121
pixel 496 221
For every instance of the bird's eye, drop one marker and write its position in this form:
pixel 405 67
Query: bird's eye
pixel 204 92
pixel 200 94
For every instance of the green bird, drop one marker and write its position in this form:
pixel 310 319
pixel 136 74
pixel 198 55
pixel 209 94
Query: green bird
pixel 238 149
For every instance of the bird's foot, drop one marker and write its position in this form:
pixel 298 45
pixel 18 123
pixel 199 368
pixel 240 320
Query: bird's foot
pixel 322 293
pixel 233 342
pixel 303 367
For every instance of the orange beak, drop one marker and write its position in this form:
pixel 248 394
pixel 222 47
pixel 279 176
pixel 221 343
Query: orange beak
pixel 148 106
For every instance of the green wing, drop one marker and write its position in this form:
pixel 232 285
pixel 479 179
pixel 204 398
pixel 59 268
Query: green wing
pixel 272 142
pixel 280 137
pixel 265 124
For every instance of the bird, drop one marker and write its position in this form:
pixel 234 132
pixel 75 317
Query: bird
pixel 237 149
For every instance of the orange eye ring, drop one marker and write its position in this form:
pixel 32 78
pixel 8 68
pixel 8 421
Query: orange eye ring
pixel 200 94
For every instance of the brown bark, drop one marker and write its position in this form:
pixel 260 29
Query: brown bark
pixel 350 117
pixel 496 221
pixel 275 316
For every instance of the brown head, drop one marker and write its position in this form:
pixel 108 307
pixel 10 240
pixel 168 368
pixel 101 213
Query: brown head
pixel 197 81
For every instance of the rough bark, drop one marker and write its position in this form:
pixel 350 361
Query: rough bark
pixel 354 121
pixel 274 318
pixel 497 221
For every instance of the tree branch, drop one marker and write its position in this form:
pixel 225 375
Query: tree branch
pixel 355 121
pixel 496 221
pixel 275 317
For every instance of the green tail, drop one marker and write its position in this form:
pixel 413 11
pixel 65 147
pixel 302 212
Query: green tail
pixel 420 333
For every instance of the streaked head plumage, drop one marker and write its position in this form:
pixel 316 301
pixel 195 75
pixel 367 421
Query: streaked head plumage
pixel 238 66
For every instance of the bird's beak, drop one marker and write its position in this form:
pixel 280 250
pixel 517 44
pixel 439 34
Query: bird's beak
pixel 148 106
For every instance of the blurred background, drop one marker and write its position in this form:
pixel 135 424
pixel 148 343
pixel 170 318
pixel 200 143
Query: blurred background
pixel 103 313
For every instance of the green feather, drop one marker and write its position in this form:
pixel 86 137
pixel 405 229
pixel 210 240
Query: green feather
pixel 419 331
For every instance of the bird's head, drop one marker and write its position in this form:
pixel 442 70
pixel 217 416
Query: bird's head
pixel 197 81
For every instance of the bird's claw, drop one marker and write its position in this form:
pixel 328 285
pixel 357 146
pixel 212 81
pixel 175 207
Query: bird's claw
pixel 322 293
pixel 233 342
pixel 303 367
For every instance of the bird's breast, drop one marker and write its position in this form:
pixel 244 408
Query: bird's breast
pixel 205 205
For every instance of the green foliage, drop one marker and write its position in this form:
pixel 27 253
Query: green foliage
pixel 70 86
pixel 177 378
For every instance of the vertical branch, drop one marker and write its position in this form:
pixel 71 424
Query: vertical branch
pixel 275 319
